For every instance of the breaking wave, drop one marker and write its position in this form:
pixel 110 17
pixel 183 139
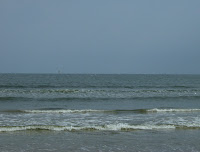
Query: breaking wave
pixel 62 111
pixel 141 111
pixel 110 127
pixel 173 110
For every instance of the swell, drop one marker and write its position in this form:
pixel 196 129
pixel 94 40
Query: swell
pixel 93 99
pixel 109 127
pixel 30 86
pixel 15 99
pixel 85 86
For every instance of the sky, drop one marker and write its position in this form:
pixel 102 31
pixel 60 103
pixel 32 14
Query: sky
pixel 100 36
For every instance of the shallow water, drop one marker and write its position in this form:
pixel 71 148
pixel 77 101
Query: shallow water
pixel 99 112
pixel 144 141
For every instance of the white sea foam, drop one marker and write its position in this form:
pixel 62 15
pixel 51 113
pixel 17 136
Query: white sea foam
pixel 111 127
pixel 173 110
pixel 122 126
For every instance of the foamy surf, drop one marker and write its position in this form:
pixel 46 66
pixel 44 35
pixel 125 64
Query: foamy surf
pixel 142 111
pixel 110 127
pixel 173 110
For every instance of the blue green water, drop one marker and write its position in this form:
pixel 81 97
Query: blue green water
pixel 58 112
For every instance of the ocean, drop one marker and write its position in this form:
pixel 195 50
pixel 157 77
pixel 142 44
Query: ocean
pixel 99 113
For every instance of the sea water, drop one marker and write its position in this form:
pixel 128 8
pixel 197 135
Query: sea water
pixel 72 112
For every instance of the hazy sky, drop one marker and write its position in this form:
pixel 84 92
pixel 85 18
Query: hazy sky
pixel 100 36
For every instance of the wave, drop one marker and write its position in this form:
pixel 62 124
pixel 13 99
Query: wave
pixel 111 98
pixel 15 86
pixel 15 99
pixel 58 111
pixel 173 110
pixel 85 86
pixel 12 86
pixel 82 111
pixel 117 111
pixel 109 127
pixel 99 90
pixel 53 99
pixel 93 99
pixel 62 111
pixel 40 91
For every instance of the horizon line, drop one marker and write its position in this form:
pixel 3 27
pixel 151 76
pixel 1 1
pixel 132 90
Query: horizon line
pixel 100 73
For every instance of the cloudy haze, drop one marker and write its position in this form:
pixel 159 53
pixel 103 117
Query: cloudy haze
pixel 100 36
